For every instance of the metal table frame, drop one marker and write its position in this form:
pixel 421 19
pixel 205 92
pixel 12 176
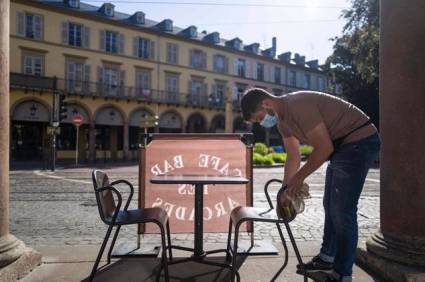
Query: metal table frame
pixel 199 254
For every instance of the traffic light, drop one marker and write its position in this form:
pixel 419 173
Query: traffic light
pixel 63 112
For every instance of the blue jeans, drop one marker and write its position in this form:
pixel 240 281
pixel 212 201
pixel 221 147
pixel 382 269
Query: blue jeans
pixel 345 176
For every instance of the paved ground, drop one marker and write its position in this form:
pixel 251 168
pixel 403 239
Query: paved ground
pixel 60 209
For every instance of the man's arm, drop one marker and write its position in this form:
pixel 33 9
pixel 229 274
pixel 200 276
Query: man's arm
pixel 293 158
pixel 321 141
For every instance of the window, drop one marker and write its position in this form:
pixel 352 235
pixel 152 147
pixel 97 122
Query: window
pixel 143 83
pixel 111 41
pixel 77 76
pixel 307 81
pixel 172 52
pixel 74 3
pixel 197 91
pixel 172 87
pixel 111 80
pixel 241 67
pixel 198 59
pixel 277 75
pixel 220 63
pixel 109 10
pixel 33 64
pixel 292 78
pixel 217 97
pixel 260 71
pixel 74 34
pixel 321 84
pixel 144 48
pixel 30 25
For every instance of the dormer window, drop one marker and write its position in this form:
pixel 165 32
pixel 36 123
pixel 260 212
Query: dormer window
pixel 216 37
pixel 107 9
pixel 192 32
pixel 139 18
pixel 234 43
pixel 168 25
pixel 74 3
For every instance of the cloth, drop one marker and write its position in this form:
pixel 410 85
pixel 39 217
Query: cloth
pixel 293 205
pixel 345 177
pixel 302 111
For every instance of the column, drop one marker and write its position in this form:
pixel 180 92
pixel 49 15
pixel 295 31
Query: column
pixel 126 137
pixel 397 252
pixel 14 256
pixel 229 112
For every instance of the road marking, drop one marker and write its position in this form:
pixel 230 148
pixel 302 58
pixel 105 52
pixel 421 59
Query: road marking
pixel 373 180
pixel 39 173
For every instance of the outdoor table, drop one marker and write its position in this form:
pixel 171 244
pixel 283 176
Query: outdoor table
pixel 199 181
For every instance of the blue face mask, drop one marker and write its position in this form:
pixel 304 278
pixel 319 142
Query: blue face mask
pixel 269 121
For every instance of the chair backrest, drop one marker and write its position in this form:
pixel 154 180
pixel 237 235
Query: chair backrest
pixel 105 199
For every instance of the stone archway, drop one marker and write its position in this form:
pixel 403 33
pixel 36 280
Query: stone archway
pixel 196 123
pixel 170 122
pixel 218 124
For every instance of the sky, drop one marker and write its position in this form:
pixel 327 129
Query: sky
pixel 304 28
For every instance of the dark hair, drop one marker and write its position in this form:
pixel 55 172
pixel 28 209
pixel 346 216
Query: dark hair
pixel 251 100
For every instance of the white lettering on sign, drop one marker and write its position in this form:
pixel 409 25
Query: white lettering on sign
pixel 187 189
pixel 181 212
pixel 177 162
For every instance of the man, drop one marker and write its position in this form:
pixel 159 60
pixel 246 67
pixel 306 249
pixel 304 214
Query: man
pixel 339 132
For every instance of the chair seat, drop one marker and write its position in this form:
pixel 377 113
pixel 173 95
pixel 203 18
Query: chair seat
pixel 141 216
pixel 253 214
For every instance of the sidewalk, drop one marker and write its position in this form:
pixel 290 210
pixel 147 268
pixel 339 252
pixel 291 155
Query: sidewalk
pixel 74 263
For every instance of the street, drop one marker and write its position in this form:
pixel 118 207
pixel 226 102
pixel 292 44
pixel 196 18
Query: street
pixel 60 208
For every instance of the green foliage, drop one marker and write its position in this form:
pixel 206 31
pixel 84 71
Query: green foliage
pixel 257 158
pixel 261 148
pixel 354 64
pixel 278 157
pixel 268 160
pixel 306 150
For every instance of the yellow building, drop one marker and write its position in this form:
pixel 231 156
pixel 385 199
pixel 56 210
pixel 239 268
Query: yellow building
pixel 115 69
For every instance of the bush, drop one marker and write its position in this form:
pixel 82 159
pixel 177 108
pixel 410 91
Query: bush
pixel 257 158
pixel 260 148
pixel 306 150
pixel 268 160
pixel 279 157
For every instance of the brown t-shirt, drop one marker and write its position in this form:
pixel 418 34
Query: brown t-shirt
pixel 302 111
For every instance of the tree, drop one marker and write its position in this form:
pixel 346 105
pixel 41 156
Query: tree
pixel 354 64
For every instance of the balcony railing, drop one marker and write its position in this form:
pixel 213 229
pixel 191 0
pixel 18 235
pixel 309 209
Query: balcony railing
pixel 96 89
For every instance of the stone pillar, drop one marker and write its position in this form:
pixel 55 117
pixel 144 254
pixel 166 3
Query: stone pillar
pixel 13 253
pixel 126 154
pixel 229 112
pixel 92 142
pixel 398 251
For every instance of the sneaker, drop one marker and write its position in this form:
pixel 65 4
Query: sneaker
pixel 316 264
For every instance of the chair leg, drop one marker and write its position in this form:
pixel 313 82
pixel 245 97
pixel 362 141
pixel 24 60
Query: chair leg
pixel 235 252
pixel 164 254
pixel 99 255
pixel 113 243
pixel 294 245
pixel 285 247
pixel 229 239
pixel 170 251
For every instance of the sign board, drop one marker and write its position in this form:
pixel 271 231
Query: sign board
pixel 77 120
pixel 198 154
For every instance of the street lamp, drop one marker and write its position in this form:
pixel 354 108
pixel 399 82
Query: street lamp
pixel 148 121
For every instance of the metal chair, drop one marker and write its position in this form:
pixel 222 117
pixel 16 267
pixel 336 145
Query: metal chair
pixel 240 215
pixel 111 214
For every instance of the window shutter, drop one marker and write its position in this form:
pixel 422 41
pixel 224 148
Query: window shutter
pixel 87 73
pixel 249 69
pixel 38 27
pixel 136 46
pixel 71 71
pixel 235 67
pixel 152 50
pixel 100 75
pixel 20 29
pixel 102 39
pixel 226 65
pixel 122 77
pixel 266 73
pixel 121 43
pixel 205 89
pixel 65 32
pixel 214 90
pixel 190 87
pixel 86 40
pixel 282 76
pixel 204 60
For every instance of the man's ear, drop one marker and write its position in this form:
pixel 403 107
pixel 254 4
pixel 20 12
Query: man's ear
pixel 267 104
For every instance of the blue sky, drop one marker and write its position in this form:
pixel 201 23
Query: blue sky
pixel 304 29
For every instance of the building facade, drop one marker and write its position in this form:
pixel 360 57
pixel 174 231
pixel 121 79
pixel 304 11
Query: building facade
pixel 115 70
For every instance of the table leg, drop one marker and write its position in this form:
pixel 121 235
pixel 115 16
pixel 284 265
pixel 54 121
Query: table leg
pixel 199 217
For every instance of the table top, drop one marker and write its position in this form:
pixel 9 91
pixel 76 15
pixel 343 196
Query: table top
pixel 198 179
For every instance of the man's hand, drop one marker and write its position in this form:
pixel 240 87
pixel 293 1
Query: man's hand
pixel 294 185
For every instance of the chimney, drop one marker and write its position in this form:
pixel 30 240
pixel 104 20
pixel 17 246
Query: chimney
pixel 274 44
